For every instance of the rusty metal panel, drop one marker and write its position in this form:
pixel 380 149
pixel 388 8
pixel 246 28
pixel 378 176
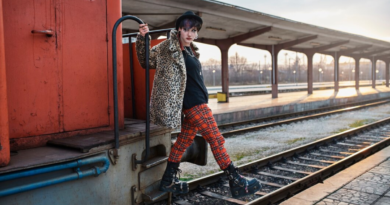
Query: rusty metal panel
pixel 85 74
pixel 4 130
pixel 32 73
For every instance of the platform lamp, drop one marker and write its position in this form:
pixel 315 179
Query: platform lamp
pixel 261 72
pixel 294 77
pixel 270 77
pixel 377 71
pixel 213 77
pixel 319 74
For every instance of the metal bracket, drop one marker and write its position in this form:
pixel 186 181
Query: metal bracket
pixel 113 154
pixel 134 162
pixel 133 199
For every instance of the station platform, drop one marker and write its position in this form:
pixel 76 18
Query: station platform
pixel 258 106
pixel 364 183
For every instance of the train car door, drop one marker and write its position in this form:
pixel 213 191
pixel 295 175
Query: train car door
pixel 85 69
pixel 33 77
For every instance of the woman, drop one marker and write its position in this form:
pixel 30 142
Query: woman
pixel 179 88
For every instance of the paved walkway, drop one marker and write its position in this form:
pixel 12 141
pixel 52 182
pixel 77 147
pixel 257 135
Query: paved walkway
pixel 364 183
pixel 261 101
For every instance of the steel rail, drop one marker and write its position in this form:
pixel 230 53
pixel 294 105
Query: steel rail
pixel 311 179
pixel 325 112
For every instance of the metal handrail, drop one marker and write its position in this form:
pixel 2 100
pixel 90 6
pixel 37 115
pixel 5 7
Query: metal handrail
pixel 115 152
pixel 115 81
pixel 147 130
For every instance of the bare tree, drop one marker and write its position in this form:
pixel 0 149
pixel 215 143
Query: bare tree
pixel 238 64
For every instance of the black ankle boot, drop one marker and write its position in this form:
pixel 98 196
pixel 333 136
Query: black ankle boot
pixel 239 185
pixel 170 182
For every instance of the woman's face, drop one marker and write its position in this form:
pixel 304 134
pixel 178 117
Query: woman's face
pixel 187 36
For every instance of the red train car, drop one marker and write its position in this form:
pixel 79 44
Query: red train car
pixel 58 69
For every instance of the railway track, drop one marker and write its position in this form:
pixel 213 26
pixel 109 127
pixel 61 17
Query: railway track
pixel 289 172
pixel 231 129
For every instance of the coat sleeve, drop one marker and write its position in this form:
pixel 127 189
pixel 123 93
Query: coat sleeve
pixel 141 52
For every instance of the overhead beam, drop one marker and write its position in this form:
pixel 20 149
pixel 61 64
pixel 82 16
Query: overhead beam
pixel 235 39
pixel 350 51
pixel 375 52
pixel 289 44
pixel 326 47
pixel 280 46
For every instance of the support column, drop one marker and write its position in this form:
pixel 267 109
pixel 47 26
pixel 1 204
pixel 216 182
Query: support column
pixel 373 75
pixel 274 73
pixel 357 73
pixel 387 73
pixel 225 70
pixel 309 72
pixel 336 71
pixel 4 126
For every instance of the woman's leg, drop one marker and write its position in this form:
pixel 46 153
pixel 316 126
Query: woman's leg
pixel 201 117
pixel 184 140
pixel 170 182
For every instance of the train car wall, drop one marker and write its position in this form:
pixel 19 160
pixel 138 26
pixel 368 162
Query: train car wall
pixel 59 68
pixel 139 82
pixel 4 131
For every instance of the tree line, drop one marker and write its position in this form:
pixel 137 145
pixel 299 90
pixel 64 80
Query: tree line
pixel 242 72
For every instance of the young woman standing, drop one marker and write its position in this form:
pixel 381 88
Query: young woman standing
pixel 179 88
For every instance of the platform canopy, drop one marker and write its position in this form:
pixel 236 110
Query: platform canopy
pixel 226 21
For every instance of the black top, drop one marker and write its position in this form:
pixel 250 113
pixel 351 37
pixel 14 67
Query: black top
pixel 196 92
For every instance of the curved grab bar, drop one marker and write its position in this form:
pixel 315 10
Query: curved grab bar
pixel 114 61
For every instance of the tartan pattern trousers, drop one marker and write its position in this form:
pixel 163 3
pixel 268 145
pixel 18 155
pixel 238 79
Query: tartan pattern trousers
pixel 200 118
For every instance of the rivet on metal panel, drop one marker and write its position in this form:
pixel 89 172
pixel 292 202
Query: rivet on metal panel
pixel 113 154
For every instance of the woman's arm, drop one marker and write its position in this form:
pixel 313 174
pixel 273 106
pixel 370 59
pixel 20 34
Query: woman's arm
pixel 140 48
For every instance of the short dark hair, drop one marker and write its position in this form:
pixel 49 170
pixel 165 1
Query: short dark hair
pixel 190 22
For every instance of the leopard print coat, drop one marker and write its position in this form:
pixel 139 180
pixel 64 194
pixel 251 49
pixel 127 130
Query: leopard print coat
pixel 169 84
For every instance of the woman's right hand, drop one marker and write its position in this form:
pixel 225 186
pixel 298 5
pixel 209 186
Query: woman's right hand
pixel 143 29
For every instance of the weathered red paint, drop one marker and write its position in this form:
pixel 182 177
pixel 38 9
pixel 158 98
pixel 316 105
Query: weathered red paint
pixel 139 82
pixel 61 83
pixel 84 63
pixel 4 131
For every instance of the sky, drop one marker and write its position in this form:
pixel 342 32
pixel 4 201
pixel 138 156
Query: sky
pixel 362 17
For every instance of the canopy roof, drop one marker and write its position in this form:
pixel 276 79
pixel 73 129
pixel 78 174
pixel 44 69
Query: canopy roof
pixel 226 21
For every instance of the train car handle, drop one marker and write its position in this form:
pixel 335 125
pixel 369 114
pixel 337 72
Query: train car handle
pixel 115 90
pixel 48 33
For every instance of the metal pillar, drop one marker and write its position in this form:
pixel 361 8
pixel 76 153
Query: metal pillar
pixel 357 73
pixel 274 73
pixel 225 71
pixel 387 73
pixel 4 126
pixel 336 71
pixel 373 71
pixel 310 72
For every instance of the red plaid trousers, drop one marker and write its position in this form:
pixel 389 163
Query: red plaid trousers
pixel 200 118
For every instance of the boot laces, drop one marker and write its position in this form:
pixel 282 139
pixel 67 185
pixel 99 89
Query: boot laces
pixel 176 180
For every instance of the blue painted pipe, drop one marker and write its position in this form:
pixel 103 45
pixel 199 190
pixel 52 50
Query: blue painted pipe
pixel 96 171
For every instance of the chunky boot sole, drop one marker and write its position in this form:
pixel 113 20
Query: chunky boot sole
pixel 175 188
pixel 238 191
